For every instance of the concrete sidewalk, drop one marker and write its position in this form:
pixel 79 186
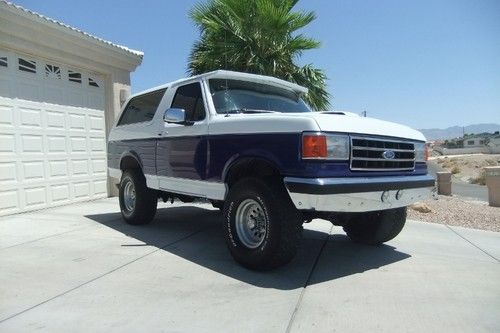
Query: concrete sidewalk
pixel 79 268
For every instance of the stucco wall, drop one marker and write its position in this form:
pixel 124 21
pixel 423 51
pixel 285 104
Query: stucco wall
pixel 460 151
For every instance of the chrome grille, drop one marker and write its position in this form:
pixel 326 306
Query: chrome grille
pixel 367 154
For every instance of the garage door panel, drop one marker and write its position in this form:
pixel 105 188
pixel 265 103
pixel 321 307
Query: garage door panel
pixel 7 143
pixel 34 170
pixel 81 189
pixel 58 168
pixel 53 94
pixel 96 101
pixel 9 201
pixel 56 144
pixel 96 123
pixel 8 172
pixel 80 167
pixel 60 193
pixel 97 145
pixel 100 187
pixel 52 138
pixel 99 166
pixel 75 98
pixel 28 91
pixel 31 117
pixel 78 144
pixel 6 116
pixel 31 143
pixel 55 119
pixel 77 121
pixel 5 89
pixel 35 196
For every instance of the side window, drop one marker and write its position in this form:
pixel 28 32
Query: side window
pixel 190 99
pixel 141 108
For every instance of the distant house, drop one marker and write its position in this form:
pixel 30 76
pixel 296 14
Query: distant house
pixel 474 142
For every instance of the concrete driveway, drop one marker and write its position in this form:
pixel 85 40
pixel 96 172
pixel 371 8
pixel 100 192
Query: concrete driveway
pixel 80 269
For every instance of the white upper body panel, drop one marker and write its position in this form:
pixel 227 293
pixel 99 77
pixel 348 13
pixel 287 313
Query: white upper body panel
pixel 218 124
pixel 363 125
pixel 313 121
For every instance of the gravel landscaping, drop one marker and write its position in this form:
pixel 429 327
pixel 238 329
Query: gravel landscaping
pixel 467 168
pixel 457 211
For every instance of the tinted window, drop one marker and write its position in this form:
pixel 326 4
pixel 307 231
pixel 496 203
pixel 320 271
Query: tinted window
pixel 233 96
pixel 190 99
pixel 142 108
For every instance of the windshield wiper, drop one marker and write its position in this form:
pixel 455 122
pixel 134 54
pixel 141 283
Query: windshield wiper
pixel 257 111
pixel 245 110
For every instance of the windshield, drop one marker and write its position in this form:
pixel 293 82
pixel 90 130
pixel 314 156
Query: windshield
pixel 235 96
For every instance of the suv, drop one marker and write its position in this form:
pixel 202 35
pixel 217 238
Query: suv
pixel 251 146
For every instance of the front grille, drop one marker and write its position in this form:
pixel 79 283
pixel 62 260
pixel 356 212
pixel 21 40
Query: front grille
pixel 367 154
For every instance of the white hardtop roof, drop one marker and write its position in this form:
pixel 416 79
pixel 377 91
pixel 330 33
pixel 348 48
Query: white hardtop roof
pixel 67 28
pixel 224 74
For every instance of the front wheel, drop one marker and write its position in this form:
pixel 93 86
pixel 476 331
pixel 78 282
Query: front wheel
pixel 261 225
pixel 375 227
pixel 137 202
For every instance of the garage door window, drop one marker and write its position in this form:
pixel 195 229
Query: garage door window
pixel 27 65
pixel 3 61
pixel 141 108
pixel 74 76
pixel 92 83
pixel 52 71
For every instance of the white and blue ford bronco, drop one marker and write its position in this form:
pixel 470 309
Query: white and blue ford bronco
pixel 250 145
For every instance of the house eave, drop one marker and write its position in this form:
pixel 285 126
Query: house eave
pixel 18 23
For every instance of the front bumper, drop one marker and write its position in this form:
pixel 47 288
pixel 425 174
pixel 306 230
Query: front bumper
pixel 358 194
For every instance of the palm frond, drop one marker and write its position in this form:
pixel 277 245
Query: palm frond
pixel 256 36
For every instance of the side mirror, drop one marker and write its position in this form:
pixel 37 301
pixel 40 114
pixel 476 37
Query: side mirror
pixel 175 116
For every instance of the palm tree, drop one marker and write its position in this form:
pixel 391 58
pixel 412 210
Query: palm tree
pixel 257 36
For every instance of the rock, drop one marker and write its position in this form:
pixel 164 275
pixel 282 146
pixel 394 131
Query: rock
pixel 420 207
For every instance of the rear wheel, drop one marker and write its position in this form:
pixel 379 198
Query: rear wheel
pixel 375 227
pixel 262 227
pixel 137 202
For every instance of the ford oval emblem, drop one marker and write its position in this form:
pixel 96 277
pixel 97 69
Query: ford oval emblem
pixel 388 154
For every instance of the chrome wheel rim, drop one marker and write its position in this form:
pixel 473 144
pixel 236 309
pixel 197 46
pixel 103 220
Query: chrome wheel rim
pixel 129 196
pixel 251 223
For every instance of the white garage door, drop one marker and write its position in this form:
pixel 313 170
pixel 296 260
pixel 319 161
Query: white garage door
pixel 52 134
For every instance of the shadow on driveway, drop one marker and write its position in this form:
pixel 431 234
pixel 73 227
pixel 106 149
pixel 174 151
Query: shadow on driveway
pixel 201 242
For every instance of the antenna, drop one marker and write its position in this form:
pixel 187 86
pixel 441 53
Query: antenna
pixel 225 49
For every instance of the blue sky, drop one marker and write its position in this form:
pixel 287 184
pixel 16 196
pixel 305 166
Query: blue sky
pixel 422 63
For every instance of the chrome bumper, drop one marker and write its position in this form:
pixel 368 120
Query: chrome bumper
pixel 360 194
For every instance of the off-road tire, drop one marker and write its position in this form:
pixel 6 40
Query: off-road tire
pixel 283 227
pixel 146 200
pixel 376 227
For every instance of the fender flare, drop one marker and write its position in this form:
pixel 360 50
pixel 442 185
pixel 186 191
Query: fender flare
pixel 249 155
pixel 130 154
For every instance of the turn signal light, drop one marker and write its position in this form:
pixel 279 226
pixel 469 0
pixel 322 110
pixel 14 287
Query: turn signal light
pixel 314 146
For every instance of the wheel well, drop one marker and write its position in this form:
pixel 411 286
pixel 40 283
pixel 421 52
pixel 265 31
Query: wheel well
pixel 129 162
pixel 250 167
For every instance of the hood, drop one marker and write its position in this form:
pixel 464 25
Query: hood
pixel 351 123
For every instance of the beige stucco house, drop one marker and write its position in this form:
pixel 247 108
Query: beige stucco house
pixel 60 91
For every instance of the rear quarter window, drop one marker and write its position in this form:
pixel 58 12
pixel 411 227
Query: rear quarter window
pixel 141 108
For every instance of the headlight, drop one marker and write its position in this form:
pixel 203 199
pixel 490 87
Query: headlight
pixel 420 152
pixel 325 146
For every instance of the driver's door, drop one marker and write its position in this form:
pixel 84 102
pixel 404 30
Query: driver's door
pixel 182 148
